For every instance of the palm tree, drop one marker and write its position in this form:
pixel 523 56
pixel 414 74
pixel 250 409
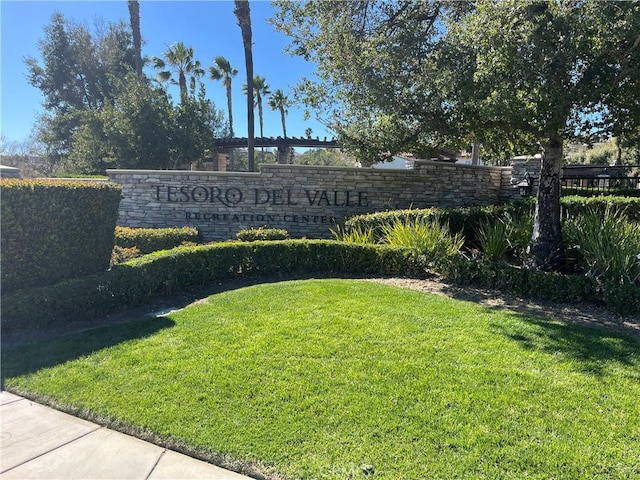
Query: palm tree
pixel 279 101
pixel 179 58
pixel 134 16
pixel 222 70
pixel 260 89
pixel 243 14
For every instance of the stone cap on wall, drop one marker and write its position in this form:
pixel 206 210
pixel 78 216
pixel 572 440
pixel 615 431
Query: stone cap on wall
pixel 204 173
pixel 461 165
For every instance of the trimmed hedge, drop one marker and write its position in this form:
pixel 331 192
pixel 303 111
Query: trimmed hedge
pixel 167 272
pixel 627 206
pixel 148 240
pixel 535 284
pixel 52 230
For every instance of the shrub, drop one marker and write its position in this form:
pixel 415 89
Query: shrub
pixel 262 233
pixel 629 207
pixel 148 240
pixel 171 271
pixel 51 230
pixel 519 230
pixel 429 239
pixel 124 254
pixel 357 234
pixel 493 240
pixel 537 284
pixel 460 220
pixel 607 247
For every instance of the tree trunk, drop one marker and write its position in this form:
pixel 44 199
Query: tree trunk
pixel 546 249
pixel 243 13
pixel 134 15
pixel 618 144
pixel 259 102
pixel 182 82
pixel 475 154
pixel 284 123
pixel 230 109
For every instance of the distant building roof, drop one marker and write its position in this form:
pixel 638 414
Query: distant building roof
pixel 9 172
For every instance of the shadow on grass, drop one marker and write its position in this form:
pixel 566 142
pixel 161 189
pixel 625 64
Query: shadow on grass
pixel 591 336
pixel 583 336
pixel 29 357
pixel 592 349
pixel 27 351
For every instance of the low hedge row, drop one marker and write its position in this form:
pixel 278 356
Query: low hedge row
pixel 166 272
pixel 148 240
pixel 262 233
pixel 534 284
pixel 138 281
pixel 575 205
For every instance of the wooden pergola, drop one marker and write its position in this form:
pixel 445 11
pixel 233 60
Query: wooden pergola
pixel 278 142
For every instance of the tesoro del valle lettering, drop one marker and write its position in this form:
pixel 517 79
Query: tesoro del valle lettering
pixel 259 196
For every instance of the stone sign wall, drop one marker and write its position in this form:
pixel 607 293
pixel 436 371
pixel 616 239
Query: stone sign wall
pixel 304 200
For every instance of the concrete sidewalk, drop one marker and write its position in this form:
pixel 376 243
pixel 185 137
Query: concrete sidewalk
pixel 38 442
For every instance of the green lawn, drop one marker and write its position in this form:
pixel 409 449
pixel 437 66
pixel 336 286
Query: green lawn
pixel 315 379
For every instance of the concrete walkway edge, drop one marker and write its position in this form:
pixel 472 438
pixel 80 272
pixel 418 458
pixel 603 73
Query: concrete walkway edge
pixel 38 442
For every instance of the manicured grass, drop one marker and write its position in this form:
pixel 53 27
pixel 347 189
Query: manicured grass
pixel 318 378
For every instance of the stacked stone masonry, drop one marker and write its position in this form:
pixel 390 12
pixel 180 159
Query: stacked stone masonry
pixel 307 201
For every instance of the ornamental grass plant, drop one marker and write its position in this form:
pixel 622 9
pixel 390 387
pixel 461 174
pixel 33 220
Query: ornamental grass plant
pixel 428 238
pixel 605 246
pixel 493 240
pixel 357 234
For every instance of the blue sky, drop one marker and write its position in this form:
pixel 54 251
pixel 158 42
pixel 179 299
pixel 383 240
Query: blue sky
pixel 210 27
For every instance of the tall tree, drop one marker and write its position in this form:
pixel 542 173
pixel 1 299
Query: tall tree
pixel 179 59
pixel 533 74
pixel 260 90
pixel 79 66
pixel 559 73
pixel 242 12
pixel 197 124
pixel 134 17
pixel 279 101
pixel 135 131
pixel 222 70
pixel 76 73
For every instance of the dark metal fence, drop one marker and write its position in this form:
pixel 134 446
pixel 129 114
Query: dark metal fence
pixel 601 179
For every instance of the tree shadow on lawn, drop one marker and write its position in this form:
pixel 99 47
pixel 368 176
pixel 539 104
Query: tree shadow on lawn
pixel 591 336
pixel 587 334
pixel 29 357
pixel 592 349
pixel 28 351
